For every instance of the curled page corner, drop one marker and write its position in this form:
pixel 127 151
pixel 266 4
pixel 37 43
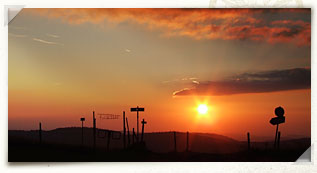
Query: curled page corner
pixel 10 11
pixel 306 156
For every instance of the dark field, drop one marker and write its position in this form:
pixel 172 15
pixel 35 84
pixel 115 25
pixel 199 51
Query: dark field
pixel 63 145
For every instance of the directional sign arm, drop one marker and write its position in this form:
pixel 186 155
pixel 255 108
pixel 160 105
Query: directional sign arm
pixel 137 109
pixel 277 120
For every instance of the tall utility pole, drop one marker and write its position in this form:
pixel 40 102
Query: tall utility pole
pixel 124 135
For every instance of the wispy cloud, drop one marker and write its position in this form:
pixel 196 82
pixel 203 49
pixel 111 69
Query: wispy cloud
pixel 185 80
pixel 176 93
pixel 195 82
pixel 53 35
pixel 47 42
pixel 127 50
pixel 17 35
pixel 261 82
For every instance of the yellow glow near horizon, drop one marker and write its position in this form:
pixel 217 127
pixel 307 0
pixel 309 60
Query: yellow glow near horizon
pixel 202 109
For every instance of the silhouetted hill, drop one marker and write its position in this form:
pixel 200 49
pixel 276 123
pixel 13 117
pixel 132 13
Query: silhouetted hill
pixel 198 142
pixel 64 144
pixel 160 142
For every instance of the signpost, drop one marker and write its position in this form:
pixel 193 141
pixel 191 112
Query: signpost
pixel 143 122
pixel 137 110
pixel 279 112
pixel 277 120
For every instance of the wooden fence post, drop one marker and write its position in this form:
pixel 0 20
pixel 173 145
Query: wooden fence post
pixel 175 149
pixel 94 129
pixel 128 131
pixel 40 133
pixel 249 146
pixel 133 136
pixel 278 140
pixel 124 134
pixel 187 141
pixel 108 141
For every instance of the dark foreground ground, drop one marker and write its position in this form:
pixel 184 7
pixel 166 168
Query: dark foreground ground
pixel 26 151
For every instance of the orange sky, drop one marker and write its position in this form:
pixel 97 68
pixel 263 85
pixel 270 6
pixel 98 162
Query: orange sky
pixel 65 63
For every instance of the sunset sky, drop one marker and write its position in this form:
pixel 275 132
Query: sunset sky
pixel 241 63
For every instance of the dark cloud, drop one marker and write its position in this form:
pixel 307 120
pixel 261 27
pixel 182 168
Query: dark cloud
pixel 291 33
pixel 269 81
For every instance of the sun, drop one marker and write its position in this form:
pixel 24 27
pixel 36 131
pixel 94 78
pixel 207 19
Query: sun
pixel 202 109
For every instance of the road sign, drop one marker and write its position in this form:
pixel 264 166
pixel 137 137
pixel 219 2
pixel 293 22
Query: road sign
pixel 279 111
pixel 137 109
pixel 108 116
pixel 82 119
pixel 277 120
